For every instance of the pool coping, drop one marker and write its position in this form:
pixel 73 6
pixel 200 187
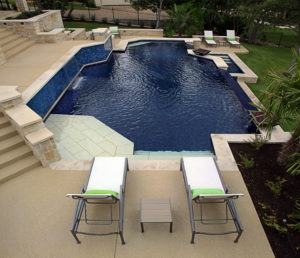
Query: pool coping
pixel 220 142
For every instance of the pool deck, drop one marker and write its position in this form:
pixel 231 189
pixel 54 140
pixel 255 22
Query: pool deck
pixel 38 217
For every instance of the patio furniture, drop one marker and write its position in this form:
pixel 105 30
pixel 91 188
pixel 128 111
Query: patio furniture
pixel 105 186
pixel 232 39
pixel 201 51
pixel 209 38
pixel 222 43
pixel 205 186
pixel 114 30
pixel 156 211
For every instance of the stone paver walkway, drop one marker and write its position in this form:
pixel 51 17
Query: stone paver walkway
pixel 84 137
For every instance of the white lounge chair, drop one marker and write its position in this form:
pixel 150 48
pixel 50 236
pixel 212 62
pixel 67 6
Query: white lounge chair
pixel 231 38
pixel 105 185
pixel 209 38
pixel 114 30
pixel 204 185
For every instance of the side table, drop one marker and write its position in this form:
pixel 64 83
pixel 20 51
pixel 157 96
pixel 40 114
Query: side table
pixel 156 211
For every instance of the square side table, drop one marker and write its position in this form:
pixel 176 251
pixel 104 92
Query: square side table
pixel 156 211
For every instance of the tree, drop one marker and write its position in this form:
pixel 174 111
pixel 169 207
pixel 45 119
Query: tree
pixel 186 18
pixel 257 13
pixel 155 5
pixel 282 103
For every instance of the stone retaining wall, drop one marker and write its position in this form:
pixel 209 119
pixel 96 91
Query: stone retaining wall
pixel 141 32
pixel 31 28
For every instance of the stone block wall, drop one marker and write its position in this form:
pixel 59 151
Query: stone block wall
pixel 30 28
pixel 22 5
pixel 141 32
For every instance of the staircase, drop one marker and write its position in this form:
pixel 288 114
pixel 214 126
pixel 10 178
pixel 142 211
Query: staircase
pixel 13 44
pixel 16 157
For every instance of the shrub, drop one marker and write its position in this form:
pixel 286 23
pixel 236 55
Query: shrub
pixel 104 20
pixel 93 17
pixel 142 24
pixel 245 161
pixel 117 21
pixel 276 187
pixel 82 18
pixel 14 6
pixel 295 217
pixel 258 141
pixel 91 3
pixel 129 23
pixel 70 16
pixel 153 24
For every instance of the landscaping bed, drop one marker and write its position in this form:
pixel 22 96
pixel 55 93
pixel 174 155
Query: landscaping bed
pixel 274 207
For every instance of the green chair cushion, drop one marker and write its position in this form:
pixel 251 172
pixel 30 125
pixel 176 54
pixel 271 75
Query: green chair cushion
pixel 209 38
pixel 114 31
pixel 211 191
pixel 231 39
pixel 102 192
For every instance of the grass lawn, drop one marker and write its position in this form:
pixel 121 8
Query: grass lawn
pixel 89 25
pixel 262 60
pixel 284 37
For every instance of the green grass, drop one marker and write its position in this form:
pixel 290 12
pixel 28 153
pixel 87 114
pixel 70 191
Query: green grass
pixel 284 37
pixel 263 59
pixel 89 25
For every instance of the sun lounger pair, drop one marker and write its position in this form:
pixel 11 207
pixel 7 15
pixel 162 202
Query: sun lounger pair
pixel 231 38
pixel 106 186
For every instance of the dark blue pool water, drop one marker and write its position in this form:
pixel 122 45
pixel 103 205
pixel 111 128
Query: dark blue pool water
pixel 158 97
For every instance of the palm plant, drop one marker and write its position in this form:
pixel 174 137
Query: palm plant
pixel 186 18
pixel 283 103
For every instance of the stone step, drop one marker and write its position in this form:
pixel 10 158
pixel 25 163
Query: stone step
pixel 25 45
pixel 14 155
pixel 18 168
pixel 5 33
pixel 4 122
pixel 9 39
pixel 14 44
pixel 11 143
pixel 7 132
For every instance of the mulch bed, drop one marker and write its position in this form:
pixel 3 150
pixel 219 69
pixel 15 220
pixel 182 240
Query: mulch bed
pixel 284 244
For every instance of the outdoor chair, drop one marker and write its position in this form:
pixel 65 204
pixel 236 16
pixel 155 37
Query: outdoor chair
pixel 114 30
pixel 205 186
pixel 231 38
pixel 209 38
pixel 105 186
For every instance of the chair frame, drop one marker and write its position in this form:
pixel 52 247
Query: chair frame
pixel 83 200
pixel 228 199
pixel 212 35
pixel 234 36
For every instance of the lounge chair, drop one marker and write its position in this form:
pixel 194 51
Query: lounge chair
pixel 114 30
pixel 105 186
pixel 204 185
pixel 209 38
pixel 232 39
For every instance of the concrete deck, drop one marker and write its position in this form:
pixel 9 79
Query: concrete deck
pixel 36 219
pixel 33 62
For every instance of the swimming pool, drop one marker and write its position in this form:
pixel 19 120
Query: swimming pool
pixel 158 97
